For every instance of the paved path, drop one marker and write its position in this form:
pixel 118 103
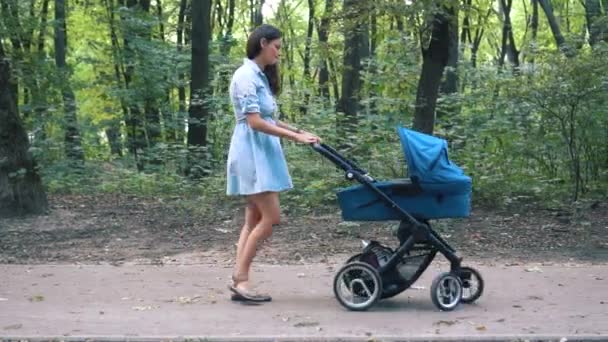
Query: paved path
pixel 135 302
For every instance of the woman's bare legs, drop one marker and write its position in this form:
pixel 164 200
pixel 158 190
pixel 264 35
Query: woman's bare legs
pixel 267 205
pixel 252 217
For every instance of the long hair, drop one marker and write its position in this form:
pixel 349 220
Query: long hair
pixel 254 47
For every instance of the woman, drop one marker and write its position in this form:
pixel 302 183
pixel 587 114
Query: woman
pixel 256 164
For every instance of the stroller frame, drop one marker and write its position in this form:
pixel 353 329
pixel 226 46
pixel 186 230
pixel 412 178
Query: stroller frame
pixel 418 232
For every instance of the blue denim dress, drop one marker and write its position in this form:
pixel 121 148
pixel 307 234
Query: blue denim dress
pixel 256 162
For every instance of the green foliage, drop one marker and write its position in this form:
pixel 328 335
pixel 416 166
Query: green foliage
pixel 537 133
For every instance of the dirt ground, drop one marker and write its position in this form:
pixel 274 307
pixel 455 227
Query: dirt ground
pixel 111 228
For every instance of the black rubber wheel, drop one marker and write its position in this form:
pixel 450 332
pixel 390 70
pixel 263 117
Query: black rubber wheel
pixel 357 286
pixel 446 291
pixel 472 284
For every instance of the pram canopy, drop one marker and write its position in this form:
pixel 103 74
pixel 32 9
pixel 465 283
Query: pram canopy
pixel 437 187
pixel 427 158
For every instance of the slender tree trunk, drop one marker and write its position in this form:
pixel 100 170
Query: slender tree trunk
pixel 450 85
pixel 113 131
pixel 39 99
pixel 135 126
pixel 256 16
pixel 309 31
pixel 348 105
pixel 323 33
pixel 557 34
pixel 11 17
pixel 165 109
pixel 73 145
pixel 434 59
pixel 199 112
pixel 152 112
pixel 21 190
pixel 593 12
pixel 181 89
pixel 508 41
pixel 534 25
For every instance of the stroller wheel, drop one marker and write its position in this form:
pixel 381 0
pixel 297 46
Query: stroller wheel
pixel 357 286
pixel 446 291
pixel 472 284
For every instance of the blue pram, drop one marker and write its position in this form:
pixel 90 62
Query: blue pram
pixel 436 188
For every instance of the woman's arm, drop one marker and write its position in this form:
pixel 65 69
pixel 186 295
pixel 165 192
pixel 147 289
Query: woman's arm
pixel 295 129
pixel 256 122
pixel 288 126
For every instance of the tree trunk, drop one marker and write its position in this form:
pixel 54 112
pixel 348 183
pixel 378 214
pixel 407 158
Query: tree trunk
pixel 256 16
pixel 39 98
pixel 450 82
pixel 113 132
pixel 181 89
pixel 134 123
pixel 11 17
pixel 199 112
pixel 557 34
pixel 152 112
pixel 73 145
pixel 534 25
pixel 309 31
pixel 434 59
pixel 593 12
pixel 21 190
pixel 348 105
pixel 508 41
pixel 323 33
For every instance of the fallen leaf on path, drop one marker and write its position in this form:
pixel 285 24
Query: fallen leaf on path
pixel 188 300
pixel 306 324
pixel 36 298
pixel 448 323
pixel 142 308
pixel 13 327
pixel 481 328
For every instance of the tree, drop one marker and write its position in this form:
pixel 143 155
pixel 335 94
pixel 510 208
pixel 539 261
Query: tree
pixel 596 28
pixel 182 39
pixel 199 107
pixel 554 25
pixel 323 33
pixel 354 33
pixel 73 144
pixel 21 190
pixel 508 48
pixel 435 57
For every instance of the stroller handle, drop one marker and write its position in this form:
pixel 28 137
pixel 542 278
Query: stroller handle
pixel 338 159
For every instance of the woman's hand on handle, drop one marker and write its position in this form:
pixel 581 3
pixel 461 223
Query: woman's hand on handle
pixel 307 138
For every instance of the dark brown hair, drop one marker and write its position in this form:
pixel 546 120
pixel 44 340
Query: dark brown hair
pixel 254 47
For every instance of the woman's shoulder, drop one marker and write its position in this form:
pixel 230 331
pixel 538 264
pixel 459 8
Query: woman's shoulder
pixel 243 73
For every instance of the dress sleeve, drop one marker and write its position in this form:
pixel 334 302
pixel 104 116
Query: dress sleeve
pixel 245 93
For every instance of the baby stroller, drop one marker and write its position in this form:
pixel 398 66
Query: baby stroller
pixel 436 189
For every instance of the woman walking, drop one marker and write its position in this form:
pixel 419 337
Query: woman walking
pixel 256 166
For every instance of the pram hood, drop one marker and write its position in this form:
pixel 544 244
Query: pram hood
pixel 427 158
